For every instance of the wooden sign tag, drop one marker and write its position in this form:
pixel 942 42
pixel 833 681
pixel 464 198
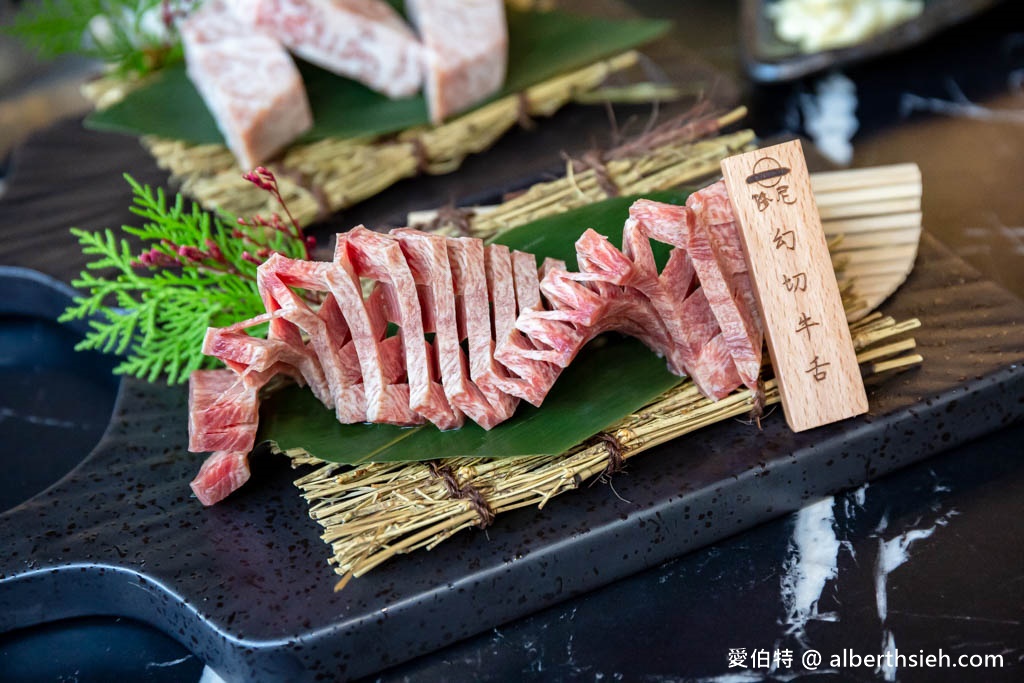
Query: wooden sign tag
pixel 795 285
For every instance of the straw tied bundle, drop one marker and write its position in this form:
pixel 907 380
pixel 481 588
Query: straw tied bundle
pixel 322 177
pixel 376 511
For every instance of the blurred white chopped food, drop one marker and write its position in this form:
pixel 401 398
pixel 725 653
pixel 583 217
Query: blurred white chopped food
pixel 817 25
pixel 830 117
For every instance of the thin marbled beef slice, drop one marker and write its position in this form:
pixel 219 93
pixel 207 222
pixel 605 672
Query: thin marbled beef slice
pixel 365 40
pixel 384 401
pixel 678 294
pixel 636 245
pixel 223 411
pixel 490 405
pixel 328 335
pixel 517 375
pixel 224 404
pixel 713 247
pixel 221 474
pixel 614 277
pixel 559 332
pixel 380 257
pixel 248 81
pixel 339 337
pixel 465 51
pixel 527 379
pixel 294 317
pixel 232 344
pixel 610 293
pixel 427 256
pixel 718 258
pixel 501 289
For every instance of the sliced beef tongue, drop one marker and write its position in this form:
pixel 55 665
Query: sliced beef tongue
pixel 679 294
pixel 514 288
pixel 503 329
pixel 669 225
pixel 223 418
pixel 711 249
pixel 623 291
pixel 501 289
pixel 316 360
pixel 380 258
pixel 223 411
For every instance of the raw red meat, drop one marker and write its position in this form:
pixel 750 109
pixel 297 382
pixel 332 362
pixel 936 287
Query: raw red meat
pixel 502 329
pixel 365 40
pixel 223 411
pixel 427 256
pixel 247 80
pixel 222 474
pixel 717 254
pixel 485 404
pixel 385 401
pixel 465 44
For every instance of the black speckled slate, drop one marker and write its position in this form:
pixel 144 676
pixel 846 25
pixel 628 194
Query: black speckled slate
pixel 246 587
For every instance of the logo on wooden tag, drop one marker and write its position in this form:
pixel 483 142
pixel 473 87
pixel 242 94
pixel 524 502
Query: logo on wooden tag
pixel 802 311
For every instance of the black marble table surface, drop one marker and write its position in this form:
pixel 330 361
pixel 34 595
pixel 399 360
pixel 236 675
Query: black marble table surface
pixel 927 561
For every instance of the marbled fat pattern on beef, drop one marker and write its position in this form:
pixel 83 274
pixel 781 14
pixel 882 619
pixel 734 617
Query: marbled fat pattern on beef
pixel 221 474
pixel 503 329
pixel 487 405
pixel 223 418
pixel 465 51
pixel 717 255
pixel 365 40
pixel 427 257
pixel 380 258
pixel 248 81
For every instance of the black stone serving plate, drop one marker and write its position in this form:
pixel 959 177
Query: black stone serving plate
pixel 769 59
pixel 245 585
pixel 54 403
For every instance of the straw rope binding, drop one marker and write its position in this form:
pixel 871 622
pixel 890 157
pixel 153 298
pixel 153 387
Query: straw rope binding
pixel 373 512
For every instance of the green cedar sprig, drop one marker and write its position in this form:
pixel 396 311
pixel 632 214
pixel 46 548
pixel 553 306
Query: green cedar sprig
pixel 131 35
pixel 196 270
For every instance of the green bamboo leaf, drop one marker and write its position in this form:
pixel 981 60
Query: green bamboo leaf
pixel 541 45
pixel 555 236
pixel 589 396
pixel 612 377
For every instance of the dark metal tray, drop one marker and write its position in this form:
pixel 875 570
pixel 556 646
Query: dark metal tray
pixel 245 585
pixel 769 59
